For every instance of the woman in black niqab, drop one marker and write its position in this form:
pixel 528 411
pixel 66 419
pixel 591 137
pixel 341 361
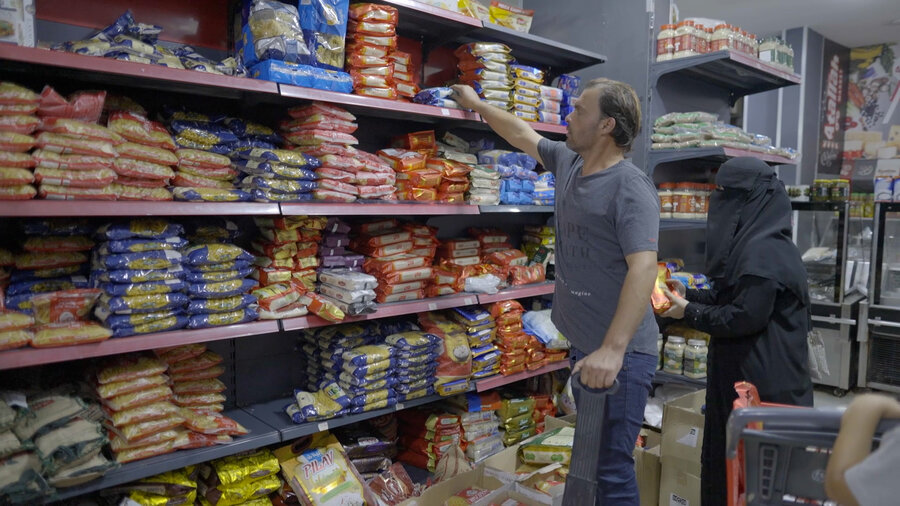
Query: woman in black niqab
pixel 757 311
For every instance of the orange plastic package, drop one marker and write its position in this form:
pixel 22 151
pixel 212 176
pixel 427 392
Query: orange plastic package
pixel 402 160
pixel 505 307
pixel 523 275
pixel 138 129
pixel 16 143
pixel 323 309
pixel 147 154
pixel 145 413
pixel 139 398
pixel 658 298
pixel 423 178
pixel 66 334
pixel 129 368
pixel 374 13
pixel 66 145
pixel 321 108
pixel 188 439
pixel 145 452
pixel 203 361
pixel 416 141
pixel 318 121
pixel 204 386
pixel 143 430
pixel 507 257
pixel 80 129
pixel 11 339
pixel 110 390
pixel 83 105
pixel 19 124
pixel 64 306
pixel 179 353
pixel 18 192
pixel 212 423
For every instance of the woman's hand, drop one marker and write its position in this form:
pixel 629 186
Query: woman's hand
pixel 676 286
pixel 678 303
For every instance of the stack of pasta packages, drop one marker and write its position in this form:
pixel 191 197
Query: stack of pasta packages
pixel 18 120
pixel 551 109
pixel 480 329
pixel 486 67
pixel 70 127
pixel 517 175
pixel 178 487
pixel 539 243
pixel 517 418
pixel 454 362
pixel 244 479
pixel 145 162
pixel 138 266
pixel 49 440
pixel 285 264
pixel 146 417
pixel 459 252
pixel 220 297
pixel 49 281
pixel 454 179
pixel 426 436
pixel 415 356
pixel 484 186
pixel 276 175
pixel 415 182
pixel 350 291
pixel 372 31
pixel 481 435
pixel 526 92
pixel 518 349
pixel 401 268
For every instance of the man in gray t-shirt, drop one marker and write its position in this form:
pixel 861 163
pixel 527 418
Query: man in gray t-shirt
pixel 607 226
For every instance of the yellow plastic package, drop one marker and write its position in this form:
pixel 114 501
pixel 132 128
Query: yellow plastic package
pixel 235 469
pixel 550 448
pixel 241 492
pixel 511 17
pixel 323 476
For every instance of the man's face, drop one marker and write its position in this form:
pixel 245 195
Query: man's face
pixel 584 122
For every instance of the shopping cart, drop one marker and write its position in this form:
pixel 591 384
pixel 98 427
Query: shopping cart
pixel 778 455
pixel 581 482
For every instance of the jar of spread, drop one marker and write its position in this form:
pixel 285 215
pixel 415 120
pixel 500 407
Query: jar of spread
pixel 696 355
pixel 709 36
pixel 684 39
pixel 665 43
pixel 768 50
pixel 721 38
pixel 753 48
pixel 673 355
pixel 666 199
pixel 682 207
pixel 699 41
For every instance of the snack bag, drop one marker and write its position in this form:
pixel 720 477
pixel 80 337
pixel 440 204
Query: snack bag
pixel 324 476
pixel 658 298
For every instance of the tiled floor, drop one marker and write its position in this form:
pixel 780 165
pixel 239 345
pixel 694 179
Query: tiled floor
pixel 823 397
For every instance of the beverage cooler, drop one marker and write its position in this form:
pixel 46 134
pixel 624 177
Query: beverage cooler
pixel 879 335
pixel 836 249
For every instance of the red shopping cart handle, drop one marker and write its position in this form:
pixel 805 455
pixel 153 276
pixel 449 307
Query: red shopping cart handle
pixel 576 383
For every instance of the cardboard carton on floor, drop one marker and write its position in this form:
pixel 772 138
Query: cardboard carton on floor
pixel 682 430
pixel 678 486
pixel 552 422
pixel 507 467
pixel 438 494
pixel 647 468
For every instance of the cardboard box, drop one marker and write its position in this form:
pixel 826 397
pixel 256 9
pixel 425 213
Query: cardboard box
pixel 647 468
pixel 505 466
pixel 17 22
pixel 682 430
pixel 678 486
pixel 552 422
pixel 440 492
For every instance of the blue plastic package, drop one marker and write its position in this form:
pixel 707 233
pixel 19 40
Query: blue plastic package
pixel 365 399
pixel 147 228
pixel 61 226
pixel 258 42
pixel 203 132
pixel 20 276
pixel 373 371
pixel 144 303
pixel 47 285
pixel 148 288
pixel 416 394
pixel 390 401
pixel 324 25
pixel 356 390
pixel 528 162
pixel 139 245
pixel 202 321
pixel 138 276
pixel 212 254
pixel 163 325
pixel 226 148
pixel 217 276
pixel 115 321
pixel 406 388
pixel 210 195
pixel 570 83
pixel 159 259
pixel 221 289
pixel 527 186
pixel 220 305
pixel 306 76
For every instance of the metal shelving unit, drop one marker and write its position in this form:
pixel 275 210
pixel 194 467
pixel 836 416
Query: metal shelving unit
pixel 718 155
pixel 663 377
pixel 112 208
pixel 378 208
pixel 681 224
pixel 516 209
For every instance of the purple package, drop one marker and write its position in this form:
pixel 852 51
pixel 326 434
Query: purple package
pixel 337 226
pixel 332 252
pixel 336 240
pixel 349 261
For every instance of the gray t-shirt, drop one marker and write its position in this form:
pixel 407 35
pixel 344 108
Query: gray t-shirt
pixel 874 480
pixel 600 219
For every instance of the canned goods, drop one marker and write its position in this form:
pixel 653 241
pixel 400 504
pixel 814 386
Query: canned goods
pixel 884 189
pixel 821 190
pixel 840 190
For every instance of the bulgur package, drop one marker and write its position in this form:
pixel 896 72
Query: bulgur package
pixel 11 339
pixel 207 373
pixel 194 401
pixel 212 423
pixel 144 452
pixel 144 413
pixel 130 368
pixel 18 192
pixel 142 430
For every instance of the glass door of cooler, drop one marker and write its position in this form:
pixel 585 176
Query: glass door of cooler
pixel 820 233
pixel 887 255
pixel 880 338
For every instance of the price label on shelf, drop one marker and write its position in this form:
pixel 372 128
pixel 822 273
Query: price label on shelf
pixel 445 112
pixel 432 306
pixel 399 406
pixel 469 301
pixel 323 426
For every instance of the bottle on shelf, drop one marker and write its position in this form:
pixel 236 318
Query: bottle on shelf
pixel 674 355
pixel 665 43
pixel 696 354
pixel 666 200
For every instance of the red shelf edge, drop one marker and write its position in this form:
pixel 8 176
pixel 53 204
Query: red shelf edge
pixel 549 127
pixel 401 209
pixel 497 381
pixel 533 290
pixel 144 70
pixel 41 207
pixel 25 357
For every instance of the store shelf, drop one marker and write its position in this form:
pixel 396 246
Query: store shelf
pixel 516 209
pixel 736 72
pixel 668 378
pixel 260 435
pixel 377 208
pixel 419 20
pixel 658 156
pixel 44 208
pixel 25 357
pixel 109 72
pixel 519 292
pixel 497 381
pixel 272 413
pixel 818 206
pixel 549 128
pixel 538 51
pixel 681 224
pixel 388 310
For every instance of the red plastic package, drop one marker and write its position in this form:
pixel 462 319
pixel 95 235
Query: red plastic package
pixel 15 177
pixel 332 196
pixel 418 194
pixel 366 49
pixel 376 192
pixel 388 41
pixel 66 145
pixel 80 178
pixel 64 306
pixel 363 178
pixel 358 61
pixel 319 122
pixel 15 143
pixel 138 129
pixel 338 186
pixel 82 105
pixel 110 390
pixel 19 124
pixel 207 386
pixel 416 141
pixel 147 154
pixel 507 257
pixel 402 160
pixel 54 192
pixel 12 339
pixel 188 439
pixel 212 423
pixel 315 137
pixel 523 275
pixel 449 168
pixel 321 108
pixel 334 174
pixel 210 372
pixel 451 198
pixel 425 178
pixel 406 89
pixel 140 398
pixel 140 169
pixel 393 486
pixel 16 160
pixel 376 29
pixel 80 129
pixel 184 179
pixel 197 159
pixel 50 160
pixel 449 187
pixel 328 149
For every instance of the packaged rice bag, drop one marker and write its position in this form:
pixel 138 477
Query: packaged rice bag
pixel 16 160
pixel 127 368
pixel 18 192
pixel 20 143
pixel 144 303
pixel 10 339
pixel 19 124
pixel 200 321
pixel 210 195
pixel 184 179
pixel 117 388
pixel 332 196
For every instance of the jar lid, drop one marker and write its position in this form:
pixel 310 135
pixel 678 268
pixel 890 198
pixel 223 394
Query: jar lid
pixel 676 339
pixel 667 186
pixel 683 186
pixel 667 27
pixel 696 342
pixel 844 181
pixel 721 26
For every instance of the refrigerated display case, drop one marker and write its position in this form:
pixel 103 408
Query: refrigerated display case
pixel 879 337
pixel 834 249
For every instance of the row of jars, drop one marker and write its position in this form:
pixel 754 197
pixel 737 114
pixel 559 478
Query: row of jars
pixel 685 200
pixel 688 39
pixel 830 190
pixel 677 357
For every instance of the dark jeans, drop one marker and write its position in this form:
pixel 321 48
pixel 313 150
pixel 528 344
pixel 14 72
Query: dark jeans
pixel 624 416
